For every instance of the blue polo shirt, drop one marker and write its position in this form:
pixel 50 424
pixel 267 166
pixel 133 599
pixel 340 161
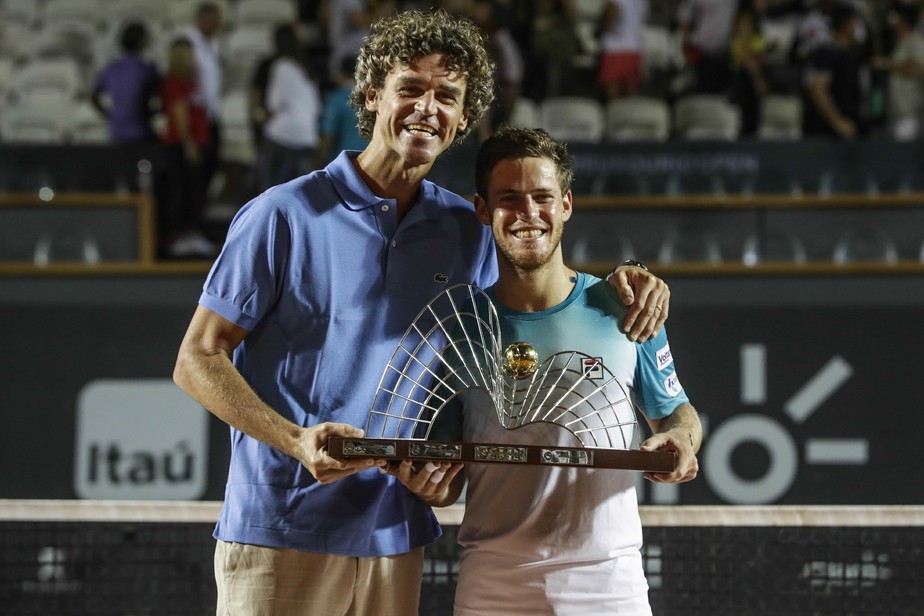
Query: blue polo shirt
pixel 326 281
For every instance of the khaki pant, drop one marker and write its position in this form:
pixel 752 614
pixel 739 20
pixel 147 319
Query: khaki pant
pixel 259 581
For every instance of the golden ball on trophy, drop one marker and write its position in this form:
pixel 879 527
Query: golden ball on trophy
pixel 520 360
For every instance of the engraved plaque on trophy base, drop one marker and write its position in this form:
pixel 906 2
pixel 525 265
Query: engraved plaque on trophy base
pixel 541 455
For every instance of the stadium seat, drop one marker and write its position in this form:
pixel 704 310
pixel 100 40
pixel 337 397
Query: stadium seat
pixel 243 49
pixel 525 113
pixel 87 125
pixel 21 13
pixel 775 246
pixel 601 245
pixel 865 245
pixel 690 246
pixel 7 70
pixel 236 133
pixel 638 118
pixel 587 16
pixel 38 120
pixel 660 49
pixel 835 180
pixel 781 117
pixel 120 11
pixel 15 41
pixel 573 118
pixel 701 183
pixel 85 14
pixel 60 77
pixel 630 182
pixel 180 13
pixel 66 246
pixel 66 40
pixel 267 13
pixel 704 116
pixel 108 46
pixel 778 35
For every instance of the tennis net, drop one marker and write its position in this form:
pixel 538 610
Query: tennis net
pixel 131 558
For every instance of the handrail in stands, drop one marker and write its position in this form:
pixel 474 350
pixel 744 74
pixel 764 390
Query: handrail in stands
pixel 143 203
pixel 148 265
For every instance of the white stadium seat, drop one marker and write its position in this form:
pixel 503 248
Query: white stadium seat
pixel 573 118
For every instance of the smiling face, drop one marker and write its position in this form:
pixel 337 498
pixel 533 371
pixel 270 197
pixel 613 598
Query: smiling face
pixel 527 211
pixel 418 110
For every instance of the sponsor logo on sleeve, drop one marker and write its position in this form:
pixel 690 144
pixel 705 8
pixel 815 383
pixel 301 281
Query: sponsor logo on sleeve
pixel 664 356
pixel 593 367
pixel 672 385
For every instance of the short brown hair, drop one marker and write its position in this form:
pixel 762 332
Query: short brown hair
pixel 513 143
pixel 396 40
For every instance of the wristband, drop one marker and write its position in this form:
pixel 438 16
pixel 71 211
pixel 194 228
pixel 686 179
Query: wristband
pixel 631 262
pixel 634 263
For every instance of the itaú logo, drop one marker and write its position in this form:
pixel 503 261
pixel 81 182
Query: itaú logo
pixel 139 439
pixel 772 436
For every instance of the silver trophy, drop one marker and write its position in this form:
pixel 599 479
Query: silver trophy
pixel 454 347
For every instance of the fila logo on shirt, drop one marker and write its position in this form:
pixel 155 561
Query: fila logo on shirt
pixel 593 367
pixel 664 357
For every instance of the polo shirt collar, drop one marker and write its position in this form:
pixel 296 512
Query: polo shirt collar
pixel 356 194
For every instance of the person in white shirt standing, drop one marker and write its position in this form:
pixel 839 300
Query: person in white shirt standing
pixel 906 73
pixel 204 39
pixel 293 102
pixel 705 29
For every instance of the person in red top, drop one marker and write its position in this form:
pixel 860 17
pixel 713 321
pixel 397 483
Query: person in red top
pixel 185 135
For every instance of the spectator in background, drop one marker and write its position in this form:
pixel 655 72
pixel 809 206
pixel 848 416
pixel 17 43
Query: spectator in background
pixel 705 29
pixel 554 44
pixel 834 94
pixel 338 130
pixel 256 98
pixel 348 25
pixel 186 136
pixel 620 33
pixel 293 105
pixel 312 17
pixel 748 83
pixel 126 89
pixel 508 60
pixel 814 29
pixel 204 38
pixel 906 73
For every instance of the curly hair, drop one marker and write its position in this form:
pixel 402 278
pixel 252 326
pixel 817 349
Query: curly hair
pixel 512 143
pixel 395 41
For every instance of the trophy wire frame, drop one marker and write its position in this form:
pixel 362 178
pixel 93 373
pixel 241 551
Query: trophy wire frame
pixel 454 346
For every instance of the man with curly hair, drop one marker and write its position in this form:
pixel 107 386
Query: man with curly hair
pixel 317 282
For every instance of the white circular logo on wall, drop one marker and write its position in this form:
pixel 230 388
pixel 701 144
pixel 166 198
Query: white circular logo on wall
pixel 771 435
pixel 139 439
